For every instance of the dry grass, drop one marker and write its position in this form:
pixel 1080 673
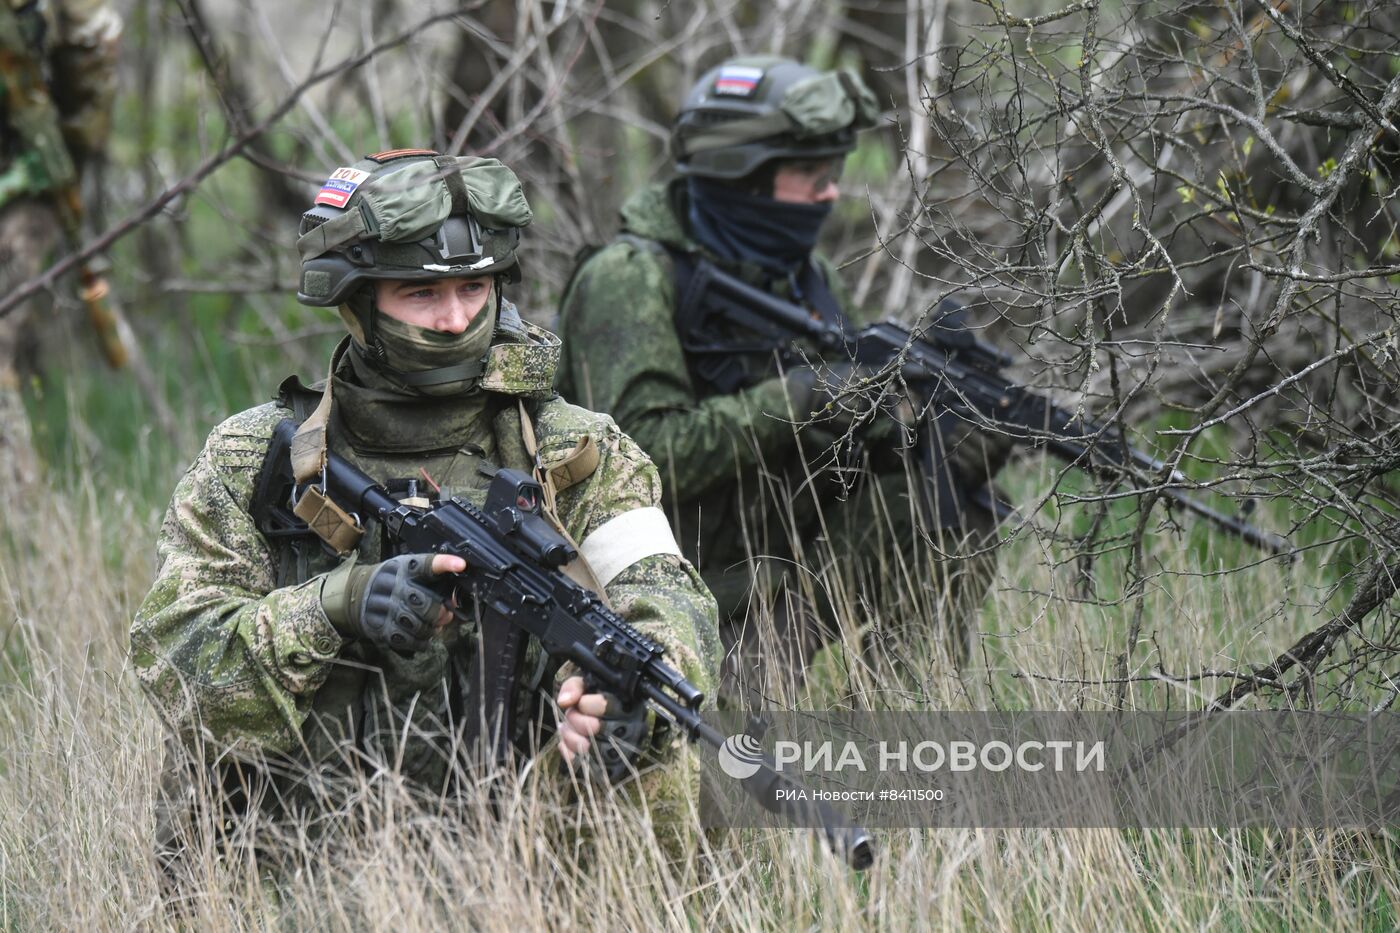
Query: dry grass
pixel 80 752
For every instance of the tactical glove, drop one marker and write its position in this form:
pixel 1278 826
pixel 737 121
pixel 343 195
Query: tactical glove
pixel 838 397
pixel 393 605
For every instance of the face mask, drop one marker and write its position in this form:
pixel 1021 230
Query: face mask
pixel 432 362
pixel 777 235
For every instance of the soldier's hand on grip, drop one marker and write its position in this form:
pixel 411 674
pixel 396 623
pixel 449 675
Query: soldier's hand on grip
pixel 839 397
pixel 398 604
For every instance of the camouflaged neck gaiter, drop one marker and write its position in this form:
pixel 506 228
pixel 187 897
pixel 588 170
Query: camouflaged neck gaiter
pixel 412 349
pixel 382 415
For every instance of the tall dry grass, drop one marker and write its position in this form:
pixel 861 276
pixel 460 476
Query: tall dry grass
pixel 80 752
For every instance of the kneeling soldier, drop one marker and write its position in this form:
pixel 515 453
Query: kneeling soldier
pixel 275 648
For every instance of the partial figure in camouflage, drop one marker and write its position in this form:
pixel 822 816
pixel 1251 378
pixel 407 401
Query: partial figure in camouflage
pixel 759 145
pixel 47 133
pixel 280 654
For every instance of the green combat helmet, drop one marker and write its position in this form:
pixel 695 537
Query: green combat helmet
pixel 754 109
pixel 408 214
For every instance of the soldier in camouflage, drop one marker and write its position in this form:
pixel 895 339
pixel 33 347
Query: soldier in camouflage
pixel 275 649
pixel 47 133
pixel 759 147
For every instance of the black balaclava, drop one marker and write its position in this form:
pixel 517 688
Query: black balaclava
pixel 742 227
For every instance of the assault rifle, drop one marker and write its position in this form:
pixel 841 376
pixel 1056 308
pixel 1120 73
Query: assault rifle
pixel 948 366
pixel 514 558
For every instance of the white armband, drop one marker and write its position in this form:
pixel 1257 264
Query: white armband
pixel 620 542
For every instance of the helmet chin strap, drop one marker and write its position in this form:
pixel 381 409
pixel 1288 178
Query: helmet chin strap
pixel 372 344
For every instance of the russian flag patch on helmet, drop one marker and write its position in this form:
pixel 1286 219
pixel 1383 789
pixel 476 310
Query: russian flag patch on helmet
pixel 338 188
pixel 738 80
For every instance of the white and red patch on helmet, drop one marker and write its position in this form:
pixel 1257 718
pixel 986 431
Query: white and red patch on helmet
pixel 738 80
pixel 338 188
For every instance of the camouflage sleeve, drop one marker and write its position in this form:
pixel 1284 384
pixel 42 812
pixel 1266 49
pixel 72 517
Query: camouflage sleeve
pixel 221 651
pixel 661 595
pixel 623 357
pixel 84 70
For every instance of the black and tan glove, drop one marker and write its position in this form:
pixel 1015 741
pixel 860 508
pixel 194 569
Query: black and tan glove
pixel 395 604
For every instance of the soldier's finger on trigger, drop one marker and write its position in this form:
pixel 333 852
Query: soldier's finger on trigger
pixel 446 563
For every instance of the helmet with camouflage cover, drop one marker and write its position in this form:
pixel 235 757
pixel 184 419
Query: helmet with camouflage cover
pixel 409 214
pixel 753 109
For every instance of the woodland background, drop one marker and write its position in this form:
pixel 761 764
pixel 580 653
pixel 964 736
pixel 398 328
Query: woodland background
pixel 1180 217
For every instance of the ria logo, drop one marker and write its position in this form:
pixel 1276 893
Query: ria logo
pixel 740 756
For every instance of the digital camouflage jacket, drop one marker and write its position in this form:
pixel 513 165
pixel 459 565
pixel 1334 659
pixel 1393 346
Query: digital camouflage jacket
pixel 232 645
pixel 622 355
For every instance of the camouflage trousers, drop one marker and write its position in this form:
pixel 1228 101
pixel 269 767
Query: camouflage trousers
pixel 842 564
pixel 227 808
pixel 28 233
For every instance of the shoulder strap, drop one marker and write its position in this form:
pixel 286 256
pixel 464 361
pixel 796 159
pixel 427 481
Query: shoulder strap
pixel 271 505
pixel 816 291
pixel 309 444
pixel 275 477
pixel 683 268
pixel 576 569
pixel 305 460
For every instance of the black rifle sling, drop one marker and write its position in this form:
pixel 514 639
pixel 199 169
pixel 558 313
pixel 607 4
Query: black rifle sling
pixel 817 293
pixel 721 364
pixel 270 506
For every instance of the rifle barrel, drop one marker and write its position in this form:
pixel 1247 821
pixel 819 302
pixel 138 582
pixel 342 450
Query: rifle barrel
pixel 854 844
pixel 1077 451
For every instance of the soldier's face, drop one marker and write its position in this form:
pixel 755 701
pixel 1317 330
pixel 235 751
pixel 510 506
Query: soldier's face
pixel 446 305
pixel 808 181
